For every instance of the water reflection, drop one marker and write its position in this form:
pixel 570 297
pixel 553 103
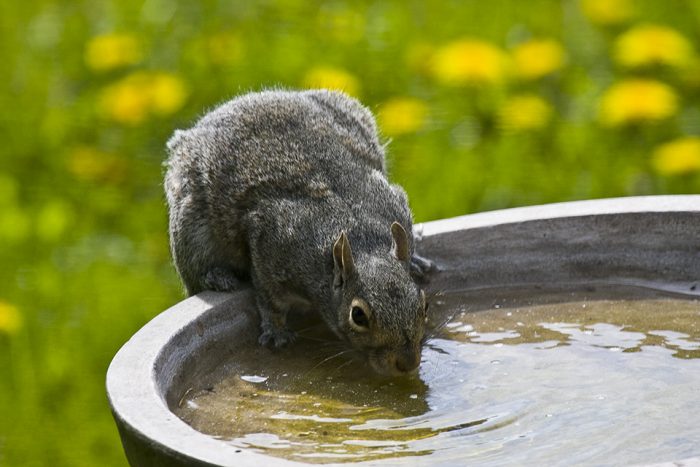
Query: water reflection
pixel 607 376
pixel 598 321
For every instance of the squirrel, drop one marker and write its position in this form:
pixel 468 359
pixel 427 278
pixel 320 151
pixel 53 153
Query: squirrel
pixel 289 190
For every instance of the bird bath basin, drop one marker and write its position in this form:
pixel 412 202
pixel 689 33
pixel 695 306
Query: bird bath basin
pixel 568 333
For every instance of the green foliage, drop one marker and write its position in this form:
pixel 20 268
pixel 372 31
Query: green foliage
pixel 93 89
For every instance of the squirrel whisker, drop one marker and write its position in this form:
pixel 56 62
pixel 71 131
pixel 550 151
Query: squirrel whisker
pixel 345 364
pixel 342 352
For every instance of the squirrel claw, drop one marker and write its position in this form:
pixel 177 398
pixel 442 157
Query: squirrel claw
pixel 277 338
pixel 421 266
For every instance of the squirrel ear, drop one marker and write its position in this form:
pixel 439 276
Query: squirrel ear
pixel 400 248
pixel 342 259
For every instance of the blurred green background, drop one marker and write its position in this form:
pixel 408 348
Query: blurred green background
pixel 487 104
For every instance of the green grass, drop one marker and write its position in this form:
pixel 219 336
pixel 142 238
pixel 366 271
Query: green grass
pixel 83 243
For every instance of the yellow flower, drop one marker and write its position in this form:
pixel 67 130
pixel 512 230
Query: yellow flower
pixel 402 115
pixel 332 78
pixel 608 12
pixel 168 93
pixel 678 157
pixel 126 101
pixel 651 44
pixel 469 61
pixel 538 57
pixel 110 51
pixel 637 100
pixel 141 94
pixel 10 318
pixel 525 112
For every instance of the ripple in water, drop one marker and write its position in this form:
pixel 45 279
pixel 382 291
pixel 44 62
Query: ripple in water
pixel 606 376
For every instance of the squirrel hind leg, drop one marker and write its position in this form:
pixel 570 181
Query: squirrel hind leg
pixel 220 279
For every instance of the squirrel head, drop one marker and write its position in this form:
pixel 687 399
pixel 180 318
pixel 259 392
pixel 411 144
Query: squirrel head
pixel 379 309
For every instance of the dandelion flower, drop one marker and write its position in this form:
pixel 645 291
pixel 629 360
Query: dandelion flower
pixel 608 12
pixel 110 51
pixel 651 44
pixel 402 115
pixel 525 112
pixel 332 78
pixel 127 101
pixel 142 94
pixel 636 101
pixel 678 157
pixel 537 58
pixel 469 61
pixel 10 318
pixel 167 92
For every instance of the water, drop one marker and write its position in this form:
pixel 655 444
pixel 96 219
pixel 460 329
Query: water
pixel 593 376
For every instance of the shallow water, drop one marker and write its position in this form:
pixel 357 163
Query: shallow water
pixel 593 376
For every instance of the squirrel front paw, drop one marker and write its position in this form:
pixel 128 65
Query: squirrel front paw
pixel 277 338
pixel 420 266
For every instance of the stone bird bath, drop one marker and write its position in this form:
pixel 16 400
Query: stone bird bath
pixel 651 241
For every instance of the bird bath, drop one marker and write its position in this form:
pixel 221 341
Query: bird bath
pixel 549 313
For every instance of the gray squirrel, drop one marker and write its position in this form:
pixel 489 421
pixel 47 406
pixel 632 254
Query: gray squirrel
pixel 289 190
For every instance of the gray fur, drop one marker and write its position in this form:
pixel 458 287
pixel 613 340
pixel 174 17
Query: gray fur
pixel 265 185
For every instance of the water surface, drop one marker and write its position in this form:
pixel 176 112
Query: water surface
pixel 603 376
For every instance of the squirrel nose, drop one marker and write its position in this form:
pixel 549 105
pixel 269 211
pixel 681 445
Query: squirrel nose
pixel 406 361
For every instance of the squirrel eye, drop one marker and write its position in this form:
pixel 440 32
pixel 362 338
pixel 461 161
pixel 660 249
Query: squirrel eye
pixel 359 318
